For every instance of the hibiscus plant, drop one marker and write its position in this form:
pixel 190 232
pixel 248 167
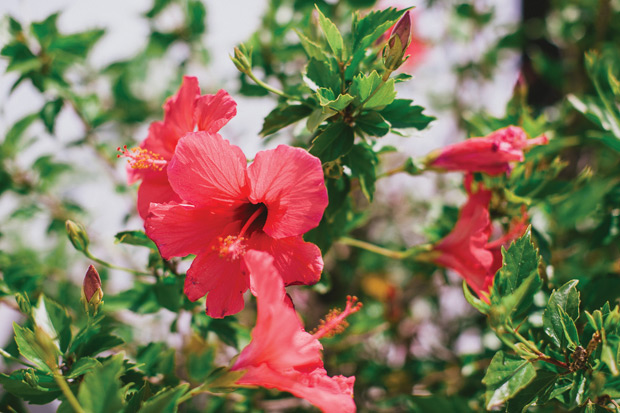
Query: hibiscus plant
pixel 344 266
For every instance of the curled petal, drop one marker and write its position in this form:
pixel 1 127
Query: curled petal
pixel 207 170
pixel 182 229
pixel 330 394
pixel 278 338
pixel 289 181
pixel 214 111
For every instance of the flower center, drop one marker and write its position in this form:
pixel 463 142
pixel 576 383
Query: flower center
pixel 140 158
pixel 230 248
pixel 233 247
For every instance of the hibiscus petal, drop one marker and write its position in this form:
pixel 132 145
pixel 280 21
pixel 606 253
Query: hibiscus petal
pixel 182 229
pixel 330 394
pixel 289 181
pixel 297 261
pixel 214 111
pixel 278 337
pixel 207 170
pixel 161 140
pixel 179 109
pixel 154 188
pixel 221 279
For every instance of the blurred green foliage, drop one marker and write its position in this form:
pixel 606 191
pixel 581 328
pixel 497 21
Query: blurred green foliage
pixel 549 340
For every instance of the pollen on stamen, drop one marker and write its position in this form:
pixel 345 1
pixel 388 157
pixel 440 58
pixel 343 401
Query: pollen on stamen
pixel 140 158
pixel 334 322
pixel 230 248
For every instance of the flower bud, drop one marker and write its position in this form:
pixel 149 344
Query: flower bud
pixel 23 302
pixel 242 59
pixel 394 51
pixel 77 235
pixel 92 294
pixel 30 377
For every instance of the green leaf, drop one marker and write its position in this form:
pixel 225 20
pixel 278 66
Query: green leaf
pixel 609 354
pixel 11 139
pixel 371 92
pixel 324 74
pixel 363 162
pixel 138 238
pixel 539 390
pixel 372 124
pixel 335 141
pixel 569 328
pixel 313 50
pixel 45 30
pixel 75 45
pixel 49 112
pixel 332 34
pixel 21 59
pixel 475 302
pixel 402 114
pixel 327 99
pixel 505 377
pixel 579 389
pixel 82 366
pixel 166 401
pixel 318 116
pixel 101 389
pixel 139 397
pixel 283 116
pixel 566 298
pixel 30 386
pixel 156 358
pixel 31 350
pixel 53 320
pixel 367 30
pixel 518 280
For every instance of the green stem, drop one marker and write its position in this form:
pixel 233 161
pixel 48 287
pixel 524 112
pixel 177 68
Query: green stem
pixel 193 393
pixel 68 393
pixel 397 255
pixel 541 356
pixel 272 89
pixel 88 254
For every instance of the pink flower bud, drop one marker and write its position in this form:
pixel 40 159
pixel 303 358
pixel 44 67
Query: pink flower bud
pixel 92 285
pixel 402 29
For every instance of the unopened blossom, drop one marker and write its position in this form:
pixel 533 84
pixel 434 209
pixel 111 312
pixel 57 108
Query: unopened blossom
pixel 281 354
pixel 187 111
pixel 413 46
pixel 229 208
pixel 491 154
pixel 467 249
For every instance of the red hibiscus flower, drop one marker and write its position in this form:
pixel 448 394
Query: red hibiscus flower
pixel 467 250
pixel 184 112
pixel 491 154
pixel 229 208
pixel 281 354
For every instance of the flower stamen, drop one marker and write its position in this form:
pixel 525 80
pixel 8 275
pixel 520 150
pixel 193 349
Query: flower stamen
pixel 335 322
pixel 140 158
pixel 230 248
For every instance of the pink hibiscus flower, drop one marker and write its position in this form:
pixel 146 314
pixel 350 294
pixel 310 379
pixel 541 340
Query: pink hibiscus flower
pixel 467 250
pixel 184 112
pixel 491 154
pixel 229 208
pixel 281 354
